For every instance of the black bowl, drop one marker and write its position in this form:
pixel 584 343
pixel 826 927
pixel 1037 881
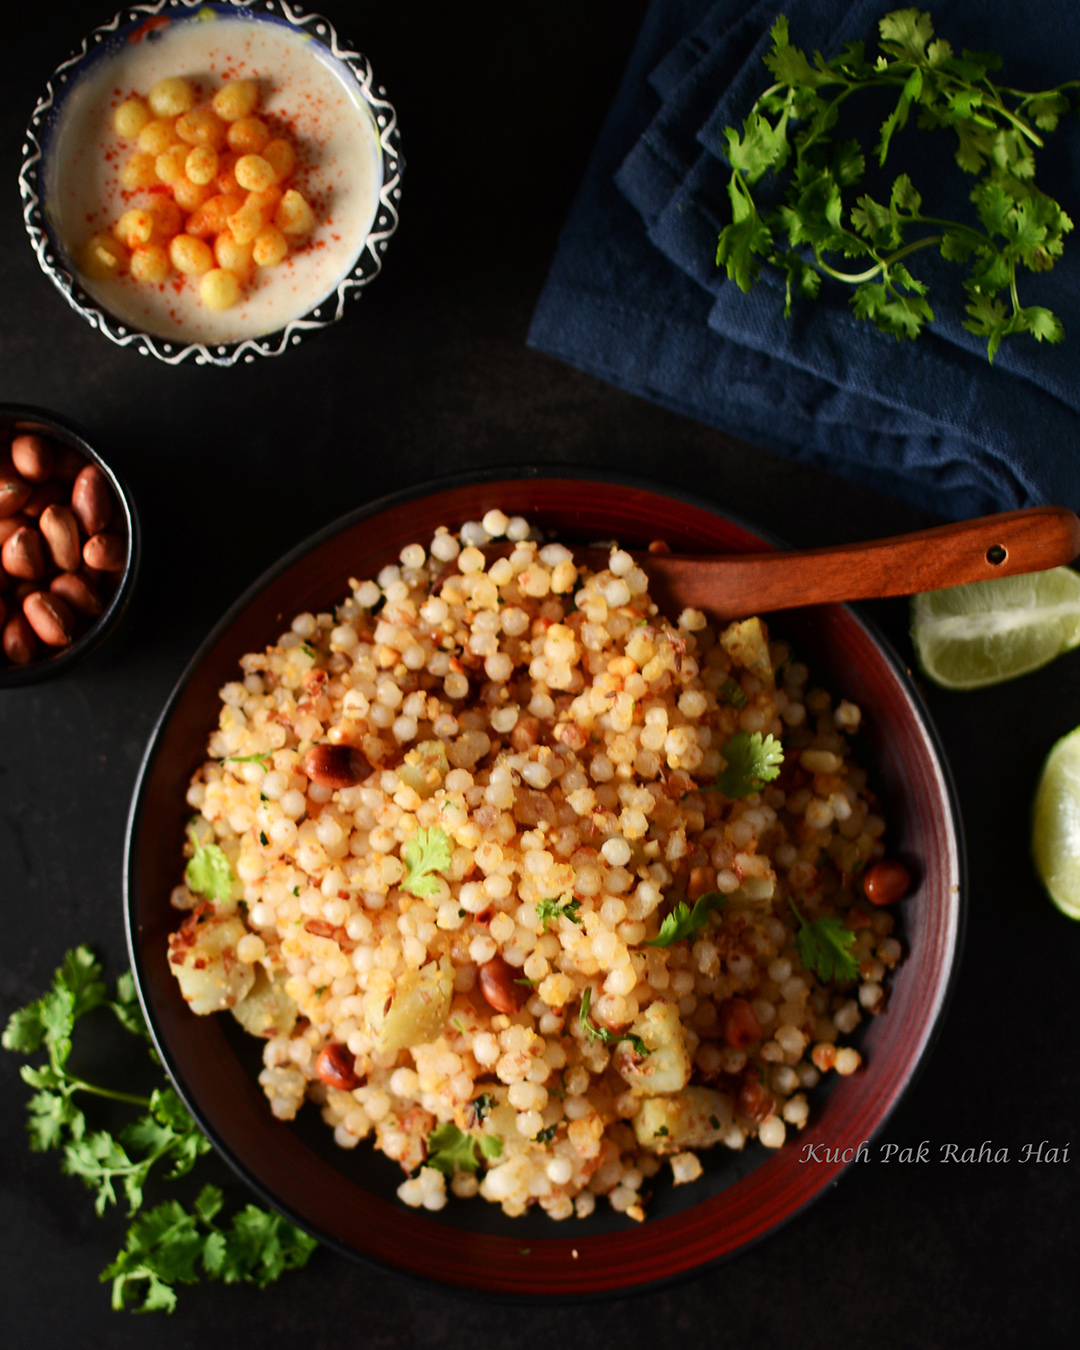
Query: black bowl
pixel 14 419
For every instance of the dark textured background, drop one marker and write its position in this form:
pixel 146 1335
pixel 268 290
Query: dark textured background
pixel 499 105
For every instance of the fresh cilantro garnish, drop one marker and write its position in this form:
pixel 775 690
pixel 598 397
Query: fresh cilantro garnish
pixel 684 922
pixel 546 1135
pixel 661 1133
pixel 165 1245
pixel 596 1033
pixel 714 1121
pixel 427 852
pixel 208 872
pixel 752 761
pixel 450 1149
pixel 547 910
pixel 790 130
pixel 529 984
pixel 250 759
pixel 824 947
pixel 731 692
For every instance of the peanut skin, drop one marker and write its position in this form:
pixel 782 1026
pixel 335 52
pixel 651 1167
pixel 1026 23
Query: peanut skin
pixel 14 494
pixel 61 533
pixel 20 644
pixel 79 593
pixel 335 766
pixel 105 553
pixel 497 984
pixel 23 555
pixel 50 618
pixel 92 500
pixel 32 457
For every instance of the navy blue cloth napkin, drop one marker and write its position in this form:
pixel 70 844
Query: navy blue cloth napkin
pixel 634 295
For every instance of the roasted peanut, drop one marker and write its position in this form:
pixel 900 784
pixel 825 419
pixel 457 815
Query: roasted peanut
pixel 20 644
pixel 753 1102
pixel 50 618
pixel 337 1067
pixel 497 984
pixel 738 1023
pixel 61 532
pixel 886 882
pixel 32 457
pixel 105 553
pixel 335 766
pixel 23 555
pixel 14 494
pixel 92 500
pixel 79 593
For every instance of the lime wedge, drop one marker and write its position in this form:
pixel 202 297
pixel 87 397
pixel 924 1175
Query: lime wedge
pixel 968 637
pixel 1055 835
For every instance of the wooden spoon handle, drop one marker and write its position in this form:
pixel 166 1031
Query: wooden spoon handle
pixel 971 550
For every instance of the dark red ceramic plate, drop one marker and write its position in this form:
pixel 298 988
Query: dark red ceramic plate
pixel 347 1199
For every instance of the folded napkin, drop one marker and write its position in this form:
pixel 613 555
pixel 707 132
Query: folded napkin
pixel 635 297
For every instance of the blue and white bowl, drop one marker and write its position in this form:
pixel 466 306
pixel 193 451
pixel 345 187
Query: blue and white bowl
pixel 43 167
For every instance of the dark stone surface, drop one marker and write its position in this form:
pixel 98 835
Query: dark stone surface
pixel 499 105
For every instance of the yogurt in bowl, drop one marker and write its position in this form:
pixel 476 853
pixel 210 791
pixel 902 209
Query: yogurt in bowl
pixel 312 93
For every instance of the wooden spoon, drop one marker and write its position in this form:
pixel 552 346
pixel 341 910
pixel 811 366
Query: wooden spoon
pixel 737 585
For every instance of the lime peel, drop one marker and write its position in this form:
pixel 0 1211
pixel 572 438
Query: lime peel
pixel 1055 835
pixel 974 636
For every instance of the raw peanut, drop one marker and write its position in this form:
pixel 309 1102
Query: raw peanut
pixel 886 882
pixel 79 593
pixel 335 766
pixel 23 555
pixel 105 553
pixel 9 525
pixel 738 1023
pixel 337 1067
pixel 92 500
pixel 61 533
pixel 497 986
pixel 20 644
pixel 45 494
pixel 67 463
pixel 14 494
pixel 50 618
pixel 32 457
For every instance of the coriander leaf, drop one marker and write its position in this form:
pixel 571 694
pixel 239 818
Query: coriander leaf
pixel 49 1115
pixel 824 947
pixel 550 909
pixel 731 692
pixel 905 33
pixel 761 146
pixel 596 1033
pixel 546 1135
pixel 788 64
pixel 683 922
pixel 450 1149
pixel 208 872
pixel 250 759
pixel 752 761
pixel 25 1031
pixel 427 852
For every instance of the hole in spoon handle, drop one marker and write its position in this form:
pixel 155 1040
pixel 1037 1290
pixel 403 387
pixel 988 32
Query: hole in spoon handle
pixel 996 555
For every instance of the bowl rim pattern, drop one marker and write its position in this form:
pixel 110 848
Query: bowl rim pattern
pixel 664 1249
pixel 361 272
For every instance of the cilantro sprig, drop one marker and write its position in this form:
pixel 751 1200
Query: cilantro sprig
pixel 824 947
pixel 164 1245
pixel 427 852
pixel 208 872
pixel 596 1033
pixel 451 1150
pixel 555 908
pixel 683 922
pixel 752 761
pixel 997 130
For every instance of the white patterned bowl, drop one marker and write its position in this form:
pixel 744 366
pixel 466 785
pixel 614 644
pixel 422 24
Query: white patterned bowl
pixel 41 170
